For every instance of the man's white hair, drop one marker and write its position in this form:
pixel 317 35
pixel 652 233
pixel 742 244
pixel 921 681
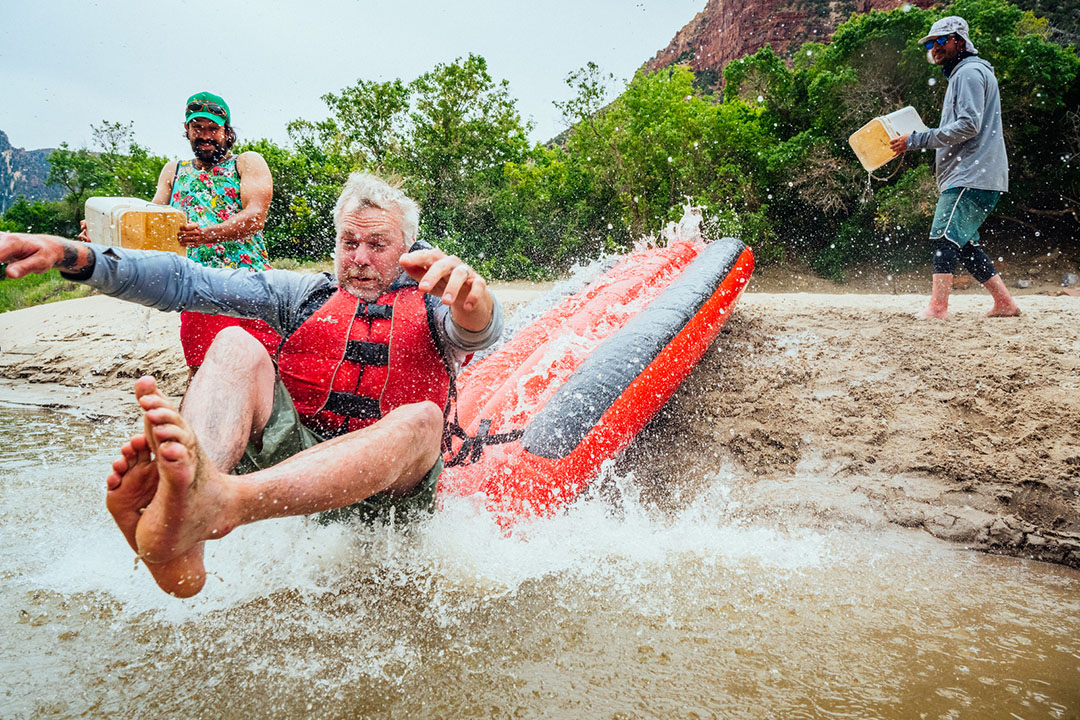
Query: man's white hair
pixel 363 190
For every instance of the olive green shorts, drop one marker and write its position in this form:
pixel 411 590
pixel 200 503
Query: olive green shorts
pixel 285 436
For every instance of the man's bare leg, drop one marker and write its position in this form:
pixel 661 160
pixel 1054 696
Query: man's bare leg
pixel 1004 305
pixel 134 480
pixel 939 297
pixel 194 501
pixel 180 463
pixel 131 487
pixel 230 398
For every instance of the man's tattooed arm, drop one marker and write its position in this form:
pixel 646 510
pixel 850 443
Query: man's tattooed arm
pixel 77 260
pixel 26 253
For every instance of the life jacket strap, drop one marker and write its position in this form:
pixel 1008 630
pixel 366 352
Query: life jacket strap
pixel 353 406
pixel 374 310
pixel 363 352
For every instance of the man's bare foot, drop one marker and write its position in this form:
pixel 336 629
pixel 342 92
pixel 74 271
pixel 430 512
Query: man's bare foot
pixel 192 498
pixel 131 487
pixel 1010 310
pixel 932 313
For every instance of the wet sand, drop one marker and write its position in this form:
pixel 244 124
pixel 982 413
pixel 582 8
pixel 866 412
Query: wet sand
pixel 969 428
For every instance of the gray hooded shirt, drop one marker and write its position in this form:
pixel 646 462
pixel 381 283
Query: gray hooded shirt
pixel 969 142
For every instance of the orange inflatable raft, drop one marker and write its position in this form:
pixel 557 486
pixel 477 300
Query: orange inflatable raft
pixel 533 421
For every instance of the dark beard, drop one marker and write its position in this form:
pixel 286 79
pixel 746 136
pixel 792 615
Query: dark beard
pixel 212 155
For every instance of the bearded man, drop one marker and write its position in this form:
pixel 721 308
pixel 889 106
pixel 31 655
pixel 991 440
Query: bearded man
pixel 971 166
pixel 226 198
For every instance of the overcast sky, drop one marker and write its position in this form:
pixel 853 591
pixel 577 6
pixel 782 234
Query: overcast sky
pixel 67 64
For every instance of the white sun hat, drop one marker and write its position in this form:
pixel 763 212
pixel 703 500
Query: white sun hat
pixel 948 26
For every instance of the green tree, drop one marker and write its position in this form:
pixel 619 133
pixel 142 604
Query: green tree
pixel 307 181
pixel 40 216
pixel 81 173
pixel 447 136
pixel 134 170
pixel 120 168
pixel 658 146
pixel 370 118
pixel 463 128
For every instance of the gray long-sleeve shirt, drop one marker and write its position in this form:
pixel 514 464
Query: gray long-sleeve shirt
pixel 969 141
pixel 284 299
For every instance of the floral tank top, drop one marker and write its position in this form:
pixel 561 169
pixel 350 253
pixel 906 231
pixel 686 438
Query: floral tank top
pixel 209 197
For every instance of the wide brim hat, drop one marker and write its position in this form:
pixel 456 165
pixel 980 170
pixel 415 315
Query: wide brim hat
pixel 949 26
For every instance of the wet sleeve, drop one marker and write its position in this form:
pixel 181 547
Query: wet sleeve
pixel 967 115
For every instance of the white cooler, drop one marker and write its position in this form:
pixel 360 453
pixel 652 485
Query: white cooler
pixel 133 223
pixel 871 141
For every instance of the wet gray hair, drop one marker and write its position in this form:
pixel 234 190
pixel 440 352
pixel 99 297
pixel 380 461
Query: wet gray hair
pixel 363 190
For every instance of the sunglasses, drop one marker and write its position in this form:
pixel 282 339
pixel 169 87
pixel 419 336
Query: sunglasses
pixel 212 108
pixel 929 44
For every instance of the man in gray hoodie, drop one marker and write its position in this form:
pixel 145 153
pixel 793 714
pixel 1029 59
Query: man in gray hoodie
pixel 971 166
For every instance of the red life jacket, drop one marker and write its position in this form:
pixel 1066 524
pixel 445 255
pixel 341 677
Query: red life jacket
pixel 352 362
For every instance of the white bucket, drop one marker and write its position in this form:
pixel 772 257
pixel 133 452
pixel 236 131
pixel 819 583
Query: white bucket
pixel 871 141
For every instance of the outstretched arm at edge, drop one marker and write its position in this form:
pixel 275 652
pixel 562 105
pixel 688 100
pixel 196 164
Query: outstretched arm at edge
pixel 162 280
pixel 28 254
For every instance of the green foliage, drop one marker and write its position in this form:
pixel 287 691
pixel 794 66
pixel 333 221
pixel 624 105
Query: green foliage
pixel 463 128
pixel 906 207
pixel 1062 17
pixel 307 181
pixel 40 216
pixel 371 117
pixel 133 169
pixel 81 173
pixel 658 146
pixel 38 289
pixel 549 214
pixel 112 171
pixel 447 136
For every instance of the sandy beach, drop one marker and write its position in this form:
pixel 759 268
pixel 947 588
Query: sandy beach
pixel 966 428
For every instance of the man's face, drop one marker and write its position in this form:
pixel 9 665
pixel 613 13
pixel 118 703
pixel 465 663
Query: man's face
pixel 943 53
pixel 369 246
pixel 207 139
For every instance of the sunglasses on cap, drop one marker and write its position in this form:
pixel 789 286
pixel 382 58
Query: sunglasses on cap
pixel 209 107
pixel 929 44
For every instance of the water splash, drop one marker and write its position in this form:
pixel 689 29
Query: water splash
pixel 718 594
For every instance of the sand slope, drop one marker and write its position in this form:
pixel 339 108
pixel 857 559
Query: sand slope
pixel 968 428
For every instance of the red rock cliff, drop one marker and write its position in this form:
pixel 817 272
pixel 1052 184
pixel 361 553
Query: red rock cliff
pixel 729 29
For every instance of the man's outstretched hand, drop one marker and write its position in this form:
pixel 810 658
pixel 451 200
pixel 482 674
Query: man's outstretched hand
pixel 28 254
pixel 448 278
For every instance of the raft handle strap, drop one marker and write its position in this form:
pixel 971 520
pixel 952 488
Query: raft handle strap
pixel 472 448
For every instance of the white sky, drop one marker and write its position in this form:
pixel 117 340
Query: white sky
pixel 67 64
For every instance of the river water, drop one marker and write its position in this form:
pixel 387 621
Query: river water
pixel 616 609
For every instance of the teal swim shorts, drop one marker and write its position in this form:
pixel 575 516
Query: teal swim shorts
pixel 959 214
pixel 285 436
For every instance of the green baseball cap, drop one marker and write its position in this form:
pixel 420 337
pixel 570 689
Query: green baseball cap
pixel 207 105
